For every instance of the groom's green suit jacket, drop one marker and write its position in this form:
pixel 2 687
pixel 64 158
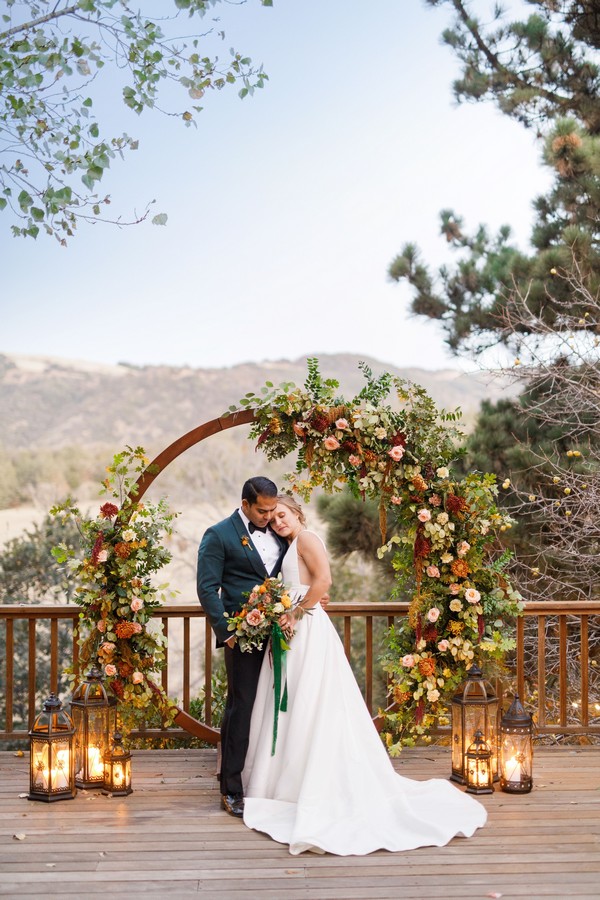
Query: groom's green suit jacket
pixel 228 565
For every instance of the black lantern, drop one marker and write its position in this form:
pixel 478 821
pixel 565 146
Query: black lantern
pixel 95 719
pixel 478 767
pixel 117 768
pixel 516 749
pixel 51 755
pixel 474 708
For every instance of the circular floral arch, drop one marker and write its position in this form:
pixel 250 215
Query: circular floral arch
pixel 440 529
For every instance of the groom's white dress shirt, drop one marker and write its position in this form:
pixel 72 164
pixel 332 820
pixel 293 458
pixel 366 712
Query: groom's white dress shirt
pixel 267 545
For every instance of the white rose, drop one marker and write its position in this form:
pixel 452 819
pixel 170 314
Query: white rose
pixel 442 472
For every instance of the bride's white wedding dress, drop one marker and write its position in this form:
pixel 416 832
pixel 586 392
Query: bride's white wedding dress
pixel 330 787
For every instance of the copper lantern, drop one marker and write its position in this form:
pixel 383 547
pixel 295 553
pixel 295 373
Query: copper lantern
pixel 51 757
pixel 478 773
pixel 474 708
pixel 117 768
pixel 516 749
pixel 95 719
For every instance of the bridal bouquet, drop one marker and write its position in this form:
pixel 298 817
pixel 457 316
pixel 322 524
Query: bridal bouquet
pixel 258 619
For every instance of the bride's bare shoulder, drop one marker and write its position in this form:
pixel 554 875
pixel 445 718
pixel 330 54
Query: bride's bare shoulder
pixel 309 540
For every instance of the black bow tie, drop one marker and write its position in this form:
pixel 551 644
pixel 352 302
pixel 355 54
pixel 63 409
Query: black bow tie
pixel 252 528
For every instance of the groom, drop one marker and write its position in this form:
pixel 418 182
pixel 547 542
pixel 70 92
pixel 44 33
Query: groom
pixel 233 556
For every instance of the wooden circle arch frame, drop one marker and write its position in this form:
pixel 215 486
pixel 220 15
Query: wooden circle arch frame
pixel 152 471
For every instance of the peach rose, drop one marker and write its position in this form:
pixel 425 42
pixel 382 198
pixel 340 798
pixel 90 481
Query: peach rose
pixel 433 571
pixel 472 596
pixel 342 425
pixel 254 617
pixel 331 443
pixel 433 614
pixel 101 626
pixel 423 515
pixel 110 670
pixel 396 501
pixel 443 645
pixel 463 548
pixel 137 677
pixel 454 588
pixel 298 429
pixel 136 604
pixel 102 556
pixel 408 661
pixel 354 460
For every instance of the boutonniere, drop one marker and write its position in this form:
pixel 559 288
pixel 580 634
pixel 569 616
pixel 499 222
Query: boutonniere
pixel 246 542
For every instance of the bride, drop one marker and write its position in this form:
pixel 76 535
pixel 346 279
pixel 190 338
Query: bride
pixel 330 785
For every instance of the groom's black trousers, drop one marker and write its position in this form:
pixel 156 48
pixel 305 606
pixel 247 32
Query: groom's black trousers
pixel 243 670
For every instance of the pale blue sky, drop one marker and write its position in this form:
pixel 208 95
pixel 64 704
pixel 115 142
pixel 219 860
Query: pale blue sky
pixel 285 209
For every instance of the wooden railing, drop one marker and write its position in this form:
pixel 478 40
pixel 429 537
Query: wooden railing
pixel 555 668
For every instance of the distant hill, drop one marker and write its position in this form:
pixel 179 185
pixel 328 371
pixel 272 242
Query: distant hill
pixel 52 403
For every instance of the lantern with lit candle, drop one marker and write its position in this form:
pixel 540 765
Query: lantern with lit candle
pixel 51 757
pixel 95 720
pixel 478 767
pixel 516 749
pixel 474 708
pixel 117 768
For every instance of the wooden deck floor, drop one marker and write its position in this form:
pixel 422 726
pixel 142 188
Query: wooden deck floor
pixel 169 838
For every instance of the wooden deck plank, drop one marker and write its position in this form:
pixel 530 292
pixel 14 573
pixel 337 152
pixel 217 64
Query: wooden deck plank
pixel 170 837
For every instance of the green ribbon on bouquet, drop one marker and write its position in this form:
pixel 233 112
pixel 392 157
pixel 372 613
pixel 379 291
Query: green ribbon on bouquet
pixel 278 648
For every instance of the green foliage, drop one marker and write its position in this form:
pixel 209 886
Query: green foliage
pixel 51 55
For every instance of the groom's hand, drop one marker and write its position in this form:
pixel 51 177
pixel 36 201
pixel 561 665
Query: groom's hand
pixel 231 641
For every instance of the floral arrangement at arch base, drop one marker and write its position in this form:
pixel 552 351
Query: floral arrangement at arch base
pixel 444 529
pixel 122 549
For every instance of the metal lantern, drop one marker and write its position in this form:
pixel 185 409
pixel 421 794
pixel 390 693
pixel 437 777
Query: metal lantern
pixel 95 719
pixel 117 768
pixel 51 754
pixel 516 749
pixel 478 767
pixel 474 708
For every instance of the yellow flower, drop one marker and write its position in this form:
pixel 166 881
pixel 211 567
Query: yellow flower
pixel 506 483
pixel 285 601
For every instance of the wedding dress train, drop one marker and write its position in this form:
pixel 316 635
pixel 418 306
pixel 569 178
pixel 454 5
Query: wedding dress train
pixel 330 786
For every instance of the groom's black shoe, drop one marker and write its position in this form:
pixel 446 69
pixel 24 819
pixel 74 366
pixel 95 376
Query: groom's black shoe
pixel 233 804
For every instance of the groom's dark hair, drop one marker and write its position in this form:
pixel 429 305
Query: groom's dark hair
pixel 258 485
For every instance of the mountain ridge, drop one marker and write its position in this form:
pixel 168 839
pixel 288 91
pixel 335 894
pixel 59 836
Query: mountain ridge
pixel 52 402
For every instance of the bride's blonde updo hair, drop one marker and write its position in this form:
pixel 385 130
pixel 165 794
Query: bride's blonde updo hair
pixel 293 505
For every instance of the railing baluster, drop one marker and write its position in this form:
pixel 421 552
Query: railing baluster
pixel 541 671
pixel 31 673
pixel 208 640
pixel 186 663
pixel 584 661
pixel 521 656
pixel 369 662
pixel 347 636
pixel 165 672
pixel 562 671
pixel 54 654
pixel 10 649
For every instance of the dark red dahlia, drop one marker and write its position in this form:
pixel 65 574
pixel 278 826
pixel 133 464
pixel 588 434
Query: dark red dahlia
pixel 455 504
pixel 399 440
pixel 108 510
pixel 319 421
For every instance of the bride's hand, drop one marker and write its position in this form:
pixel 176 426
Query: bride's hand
pixel 287 623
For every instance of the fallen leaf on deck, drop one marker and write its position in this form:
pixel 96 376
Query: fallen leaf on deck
pixel 494 894
pixel 50 865
pixel 19 753
pixel 23 796
pixel 19 836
